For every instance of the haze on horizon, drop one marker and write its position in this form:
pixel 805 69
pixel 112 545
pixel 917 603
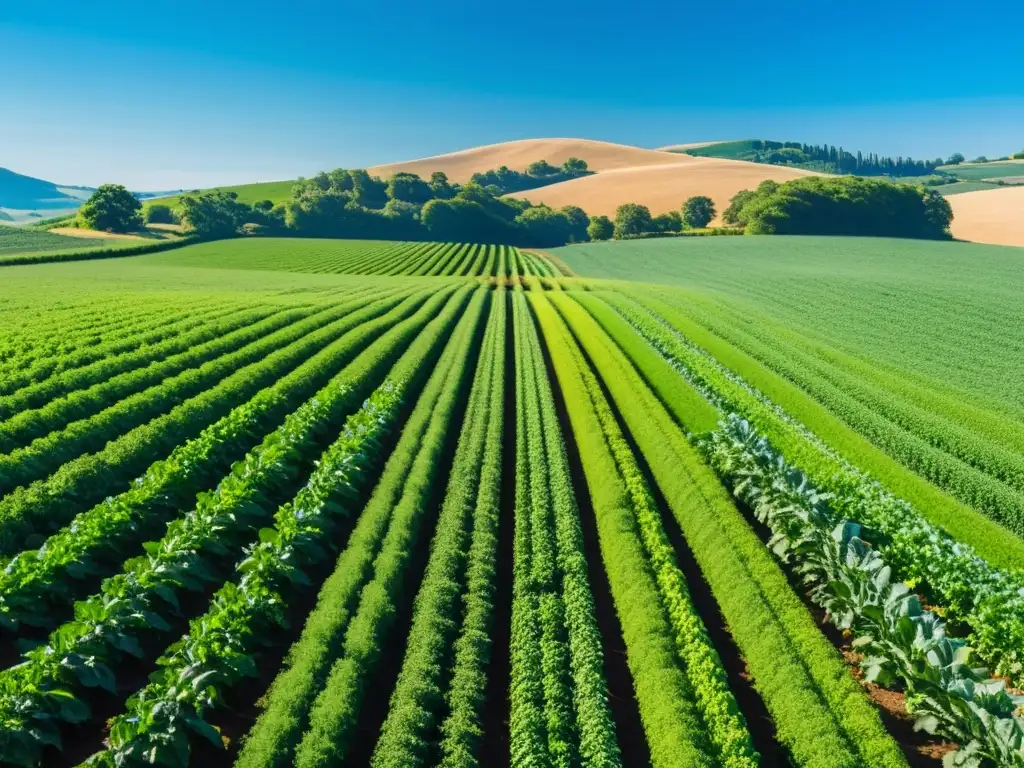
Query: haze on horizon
pixel 201 94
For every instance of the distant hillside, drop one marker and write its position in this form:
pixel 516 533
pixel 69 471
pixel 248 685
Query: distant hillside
pixel 824 158
pixel 20 192
pixel 274 191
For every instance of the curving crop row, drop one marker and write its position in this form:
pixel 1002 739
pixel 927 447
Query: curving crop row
pixel 987 477
pixel 46 454
pixel 549 565
pixel 988 599
pixel 36 585
pixel 899 640
pixel 434 676
pixel 821 714
pixel 154 330
pixel 46 505
pixel 190 555
pixel 31 424
pixel 45 333
pixel 141 367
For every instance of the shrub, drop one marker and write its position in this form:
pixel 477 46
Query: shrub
pixel 160 213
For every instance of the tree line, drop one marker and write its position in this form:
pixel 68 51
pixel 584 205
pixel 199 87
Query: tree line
pixel 538 174
pixel 828 158
pixel 841 205
pixel 354 204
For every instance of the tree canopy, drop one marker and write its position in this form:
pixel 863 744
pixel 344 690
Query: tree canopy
pixel 632 219
pixel 600 228
pixel 698 211
pixel 112 208
pixel 844 205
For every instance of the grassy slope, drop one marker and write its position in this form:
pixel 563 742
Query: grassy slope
pixel 941 310
pixel 275 191
pixel 978 171
pixel 21 240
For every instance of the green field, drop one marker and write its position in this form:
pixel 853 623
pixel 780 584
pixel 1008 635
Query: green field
pixel 283 502
pixel 979 171
pixel 19 240
pixel 275 191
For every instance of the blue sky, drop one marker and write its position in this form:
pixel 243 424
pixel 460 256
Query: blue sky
pixel 189 93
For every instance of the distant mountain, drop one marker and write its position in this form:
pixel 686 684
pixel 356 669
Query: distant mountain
pixel 20 192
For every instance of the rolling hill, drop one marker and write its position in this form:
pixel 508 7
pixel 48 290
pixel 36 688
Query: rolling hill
pixel 599 155
pixel 662 187
pixel 990 216
pixel 19 192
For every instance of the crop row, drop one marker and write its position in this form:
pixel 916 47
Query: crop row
pixel 970 588
pixel 819 711
pixel 192 553
pixel 987 476
pixel 434 712
pixel 215 341
pixel 559 708
pixel 105 381
pixel 47 504
pixel 48 333
pixel 151 330
pixel 899 641
pixel 302 695
pixel 36 586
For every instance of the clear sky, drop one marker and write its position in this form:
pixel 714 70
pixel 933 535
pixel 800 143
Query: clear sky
pixel 202 92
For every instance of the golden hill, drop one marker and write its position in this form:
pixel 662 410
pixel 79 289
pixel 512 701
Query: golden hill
pixel 599 155
pixel 989 216
pixel 662 187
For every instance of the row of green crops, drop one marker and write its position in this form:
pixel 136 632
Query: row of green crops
pixel 434 712
pixel 972 468
pixel 311 708
pixel 559 708
pixel 470 510
pixel 191 555
pixel 971 589
pixel 86 395
pixel 37 585
pixel 820 713
pixel 50 502
pixel 355 257
pixel 677 735
pixel 42 363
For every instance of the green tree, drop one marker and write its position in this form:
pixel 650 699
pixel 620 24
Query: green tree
pixel 112 208
pixel 574 166
pixel 215 214
pixel 541 168
pixel 440 186
pixel 734 213
pixel 600 228
pixel 368 191
pixel 1018 155
pixel 668 222
pixel 955 159
pixel 159 213
pixel 544 227
pixel 409 188
pixel 578 223
pixel 632 219
pixel 698 211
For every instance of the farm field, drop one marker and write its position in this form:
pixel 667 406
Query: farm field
pixel 694 502
pixel 20 240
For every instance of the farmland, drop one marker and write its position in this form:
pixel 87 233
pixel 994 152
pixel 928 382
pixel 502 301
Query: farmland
pixel 677 502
